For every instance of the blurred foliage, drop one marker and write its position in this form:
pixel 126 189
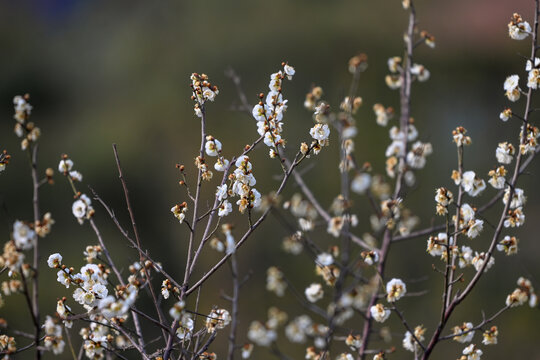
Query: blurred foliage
pixel 101 72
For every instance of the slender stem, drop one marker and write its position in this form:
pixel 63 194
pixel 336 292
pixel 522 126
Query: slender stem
pixel 35 282
pixel 195 217
pixel 141 257
pixel 234 304
pixel 405 103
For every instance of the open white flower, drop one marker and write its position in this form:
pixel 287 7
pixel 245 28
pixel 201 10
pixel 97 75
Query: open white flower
pixel 23 236
pixel 320 132
pixel 314 292
pixel 379 313
pixel 395 289
pixel 225 209
pixel 212 146
pixel 54 260
pixel 289 71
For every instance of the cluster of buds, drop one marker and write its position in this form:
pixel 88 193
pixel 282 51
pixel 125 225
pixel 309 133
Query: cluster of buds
pixel 443 198
pixel 4 160
pixel 217 320
pixel 522 294
pixel 313 97
pixel 429 39
pixel 518 29
pixel 275 281
pixel 243 183
pixel 383 114
pixel 203 91
pixel 531 140
pixel 460 137
pixel 206 173
pixel 179 211
pixel 24 128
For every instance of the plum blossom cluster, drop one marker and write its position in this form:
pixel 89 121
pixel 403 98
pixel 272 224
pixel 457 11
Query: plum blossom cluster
pixel 203 91
pixel 24 128
pixel 415 157
pixel 269 113
pixel 242 185
pixel 105 308
pixel 82 207
pixel 65 167
pixel 518 29
pixel 523 294
pixel 395 79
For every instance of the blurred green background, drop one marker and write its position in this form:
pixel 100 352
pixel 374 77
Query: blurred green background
pixel 101 72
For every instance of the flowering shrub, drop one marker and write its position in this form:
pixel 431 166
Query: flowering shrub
pixel 351 294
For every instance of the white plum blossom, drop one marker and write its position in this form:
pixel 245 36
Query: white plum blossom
pixel 221 164
pixel 472 184
pixel 179 211
pixel 511 82
pixel 23 236
pixel 518 198
pixel 518 29
pixel 472 352
pixel 409 343
pixel 63 277
pixel 505 114
pixel 479 260
pixel 509 244
pixel 177 310
pixel 225 208
pixel 422 74
pixel 467 213
pixel 475 228
pixel 505 152
pixel 325 259
pixel 361 183
pixel 436 246
pixel 379 313
pixel 260 334
pixel 296 331
pixel 54 260
pixel 314 292
pixel 221 192
pixel 82 208
pixel 289 71
pixel 515 218
pixel 75 176
pixel 320 132
pixel 217 320
pixel 275 281
pixel 511 86
pixel 463 333
pixel 65 165
pixel 212 146
pixel 185 327
pixel 395 289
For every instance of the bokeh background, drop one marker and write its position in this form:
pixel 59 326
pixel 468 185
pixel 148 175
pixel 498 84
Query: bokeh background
pixel 104 72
